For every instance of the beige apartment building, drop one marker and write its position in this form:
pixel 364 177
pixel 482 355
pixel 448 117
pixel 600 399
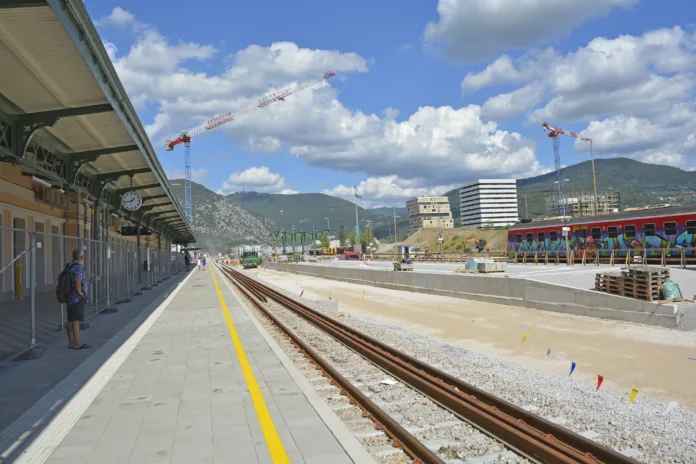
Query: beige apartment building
pixel 425 212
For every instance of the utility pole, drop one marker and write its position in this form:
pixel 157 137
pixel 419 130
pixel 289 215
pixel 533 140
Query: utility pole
pixel 328 225
pixel 294 242
pixel 357 224
pixel 441 239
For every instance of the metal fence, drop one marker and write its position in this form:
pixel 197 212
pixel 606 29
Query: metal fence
pixel 31 261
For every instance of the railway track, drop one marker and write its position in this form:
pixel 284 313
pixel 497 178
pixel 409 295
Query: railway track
pixel 527 434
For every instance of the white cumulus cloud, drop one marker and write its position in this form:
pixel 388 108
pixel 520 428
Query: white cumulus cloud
pixel 255 179
pixel 669 139
pixel 511 104
pixel 388 190
pixel 478 29
pixel 119 18
pixel 442 144
pixel 636 93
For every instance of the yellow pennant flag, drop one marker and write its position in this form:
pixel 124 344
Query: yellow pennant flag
pixel 351 307
pixel 632 396
pixel 525 337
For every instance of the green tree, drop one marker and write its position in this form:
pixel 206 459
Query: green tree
pixel 342 235
pixel 325 242
pixel 351 237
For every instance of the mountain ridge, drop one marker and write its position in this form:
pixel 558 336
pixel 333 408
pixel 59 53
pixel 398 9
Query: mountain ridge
pixel 636 182
pixel 244 217
pixel 218 222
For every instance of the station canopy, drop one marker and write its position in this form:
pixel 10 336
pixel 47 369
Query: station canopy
pixel 66 118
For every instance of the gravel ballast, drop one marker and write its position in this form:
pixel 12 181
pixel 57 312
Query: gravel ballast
pixel 452 439
pixel 640 430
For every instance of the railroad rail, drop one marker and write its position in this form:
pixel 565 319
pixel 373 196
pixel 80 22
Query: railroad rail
pixel 526 433
pixel 400 436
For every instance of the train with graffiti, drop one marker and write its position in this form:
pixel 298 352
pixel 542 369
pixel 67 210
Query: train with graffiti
pixel 672 228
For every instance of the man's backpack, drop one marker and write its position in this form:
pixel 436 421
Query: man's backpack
pixel 65 284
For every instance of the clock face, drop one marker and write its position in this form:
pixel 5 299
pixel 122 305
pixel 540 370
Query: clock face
pixel 131 201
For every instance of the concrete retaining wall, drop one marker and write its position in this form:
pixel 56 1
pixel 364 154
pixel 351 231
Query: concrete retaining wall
pixel 502 290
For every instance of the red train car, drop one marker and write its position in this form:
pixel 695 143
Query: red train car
pixel 668 227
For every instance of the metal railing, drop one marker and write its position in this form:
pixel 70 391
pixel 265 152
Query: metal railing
pixel 446 257
pixel 30 263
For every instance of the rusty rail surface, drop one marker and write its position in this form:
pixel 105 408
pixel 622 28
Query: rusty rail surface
pixel 400 437
pixel 529 434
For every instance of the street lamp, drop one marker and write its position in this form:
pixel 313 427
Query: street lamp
pixel 357 224
pixel 594 177
pixel 565 232
pixel 328 225
pixel 394 206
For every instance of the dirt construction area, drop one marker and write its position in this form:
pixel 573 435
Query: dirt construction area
pixel 458 240
pixel 660 363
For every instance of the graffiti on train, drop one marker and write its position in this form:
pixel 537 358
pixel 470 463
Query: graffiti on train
pixel 680 238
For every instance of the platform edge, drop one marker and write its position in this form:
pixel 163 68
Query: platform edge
pixel 345 438
pixel 41 448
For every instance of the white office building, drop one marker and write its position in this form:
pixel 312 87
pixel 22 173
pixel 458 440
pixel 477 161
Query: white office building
pixel 488 202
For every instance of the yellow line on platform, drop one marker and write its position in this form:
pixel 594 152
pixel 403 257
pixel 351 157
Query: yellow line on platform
pixel 275 445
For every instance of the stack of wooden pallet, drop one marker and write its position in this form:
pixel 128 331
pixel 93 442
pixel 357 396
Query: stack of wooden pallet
pixel 640 282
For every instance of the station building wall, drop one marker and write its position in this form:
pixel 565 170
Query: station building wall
pixel 26 206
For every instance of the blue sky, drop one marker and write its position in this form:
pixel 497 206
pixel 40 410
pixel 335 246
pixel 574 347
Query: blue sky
pixel 428 94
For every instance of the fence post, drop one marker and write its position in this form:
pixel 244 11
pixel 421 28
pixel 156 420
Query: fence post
pixel 61 325
pixel 148 258
pixel 34 351
pixel 137 274
pixel 118 276
pixel 127 268
pixel 107 262
pixel 155 267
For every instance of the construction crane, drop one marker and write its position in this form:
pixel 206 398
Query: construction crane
pixel 554 132
pixel 185 135
pixel 680 197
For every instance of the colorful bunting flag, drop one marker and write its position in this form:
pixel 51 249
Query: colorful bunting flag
pixel 632 396
pixel 351 307
pixel 548 353
pixel 525 337
pixel 600 379
pixel 572 368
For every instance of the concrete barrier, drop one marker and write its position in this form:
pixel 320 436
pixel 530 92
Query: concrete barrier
pixel 512 291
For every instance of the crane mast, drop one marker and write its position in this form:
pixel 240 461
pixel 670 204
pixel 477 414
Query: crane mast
pixel 554 132
pixel 185 135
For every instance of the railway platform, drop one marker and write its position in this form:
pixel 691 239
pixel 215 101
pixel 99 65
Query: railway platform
pixel 192 377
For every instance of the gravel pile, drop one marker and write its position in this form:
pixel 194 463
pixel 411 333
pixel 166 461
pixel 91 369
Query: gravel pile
pixel 452 439
pixel 639 431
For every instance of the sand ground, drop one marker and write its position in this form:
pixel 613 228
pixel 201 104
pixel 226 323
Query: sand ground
pixel 651 359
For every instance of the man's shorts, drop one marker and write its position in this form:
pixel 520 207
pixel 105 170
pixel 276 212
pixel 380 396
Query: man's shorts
pixel 76 311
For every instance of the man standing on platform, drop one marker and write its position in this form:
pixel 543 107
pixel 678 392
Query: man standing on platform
pixel 76 301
